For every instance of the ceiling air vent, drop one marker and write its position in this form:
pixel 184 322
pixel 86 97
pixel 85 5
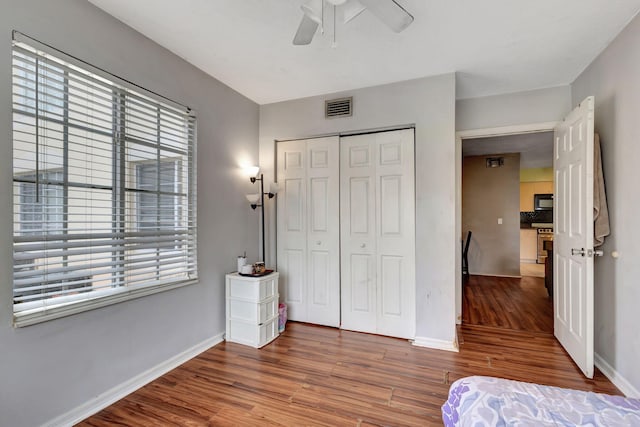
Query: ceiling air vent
pixel 342 107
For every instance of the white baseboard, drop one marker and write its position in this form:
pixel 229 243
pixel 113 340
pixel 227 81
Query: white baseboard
pixel 111 396
pixel 437 344
pixel 614 376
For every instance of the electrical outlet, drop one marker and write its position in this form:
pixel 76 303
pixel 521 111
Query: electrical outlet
pixel 499 221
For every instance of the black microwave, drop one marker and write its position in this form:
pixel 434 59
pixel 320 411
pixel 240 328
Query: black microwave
pixel 543 202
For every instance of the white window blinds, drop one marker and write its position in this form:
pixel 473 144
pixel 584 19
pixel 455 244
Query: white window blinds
pixel 104 188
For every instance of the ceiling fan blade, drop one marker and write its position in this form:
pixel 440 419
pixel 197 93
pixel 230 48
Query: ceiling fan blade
pixel 351 10
pixel 389 12
pixel 306 31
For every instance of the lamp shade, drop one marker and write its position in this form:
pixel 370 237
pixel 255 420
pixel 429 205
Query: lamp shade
pixel 253 198
pixel 273 188
pixel 251 171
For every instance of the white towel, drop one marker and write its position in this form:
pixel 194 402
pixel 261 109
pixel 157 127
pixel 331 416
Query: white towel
pixel 601 227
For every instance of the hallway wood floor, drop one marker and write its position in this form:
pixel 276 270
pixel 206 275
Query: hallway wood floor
pixel 314 375
pixel 506 302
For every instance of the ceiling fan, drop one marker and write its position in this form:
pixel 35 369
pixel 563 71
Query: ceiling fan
pixel 388 11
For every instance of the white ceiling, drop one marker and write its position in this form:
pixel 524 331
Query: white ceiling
pixel 495 46
pixel 536 149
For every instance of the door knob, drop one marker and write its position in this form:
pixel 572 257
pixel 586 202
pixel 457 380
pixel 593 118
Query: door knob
pixel 363 246
pixel 580 251
pixel 594 252
pixel 318 242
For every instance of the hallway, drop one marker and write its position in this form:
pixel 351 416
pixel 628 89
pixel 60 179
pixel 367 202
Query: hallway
pixel 507 302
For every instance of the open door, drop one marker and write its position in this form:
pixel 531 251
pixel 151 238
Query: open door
pixel 573 240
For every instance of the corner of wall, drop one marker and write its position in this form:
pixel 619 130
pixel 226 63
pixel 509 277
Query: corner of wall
pixel 615 377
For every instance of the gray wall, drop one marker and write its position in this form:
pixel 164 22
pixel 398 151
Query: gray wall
pixel 429 104
pixel 614 79
pixel 53 367
pixel 489 194
pixel 536 106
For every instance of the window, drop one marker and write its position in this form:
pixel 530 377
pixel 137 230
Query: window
pixel 41 217
pixel 104 187
pixel 157 202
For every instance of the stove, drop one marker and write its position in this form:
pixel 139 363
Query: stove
pixel 544 234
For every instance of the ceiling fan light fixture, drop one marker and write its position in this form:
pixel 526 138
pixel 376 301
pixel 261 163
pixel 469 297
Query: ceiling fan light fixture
pixel 389 12
pixel 352 9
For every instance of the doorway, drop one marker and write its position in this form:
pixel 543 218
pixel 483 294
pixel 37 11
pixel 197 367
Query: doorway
pixel 493 138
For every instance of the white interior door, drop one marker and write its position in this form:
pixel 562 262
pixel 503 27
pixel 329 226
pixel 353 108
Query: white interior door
pixel 309 229
pixel 573 240
pixel 377 215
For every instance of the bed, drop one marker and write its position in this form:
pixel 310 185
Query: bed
pixel 486 401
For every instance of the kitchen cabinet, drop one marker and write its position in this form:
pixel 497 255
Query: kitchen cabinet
pixel 528 189
pixel 252 309
pixel 528 245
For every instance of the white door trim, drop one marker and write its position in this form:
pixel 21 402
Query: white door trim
pixel 473 134
pixel 507 130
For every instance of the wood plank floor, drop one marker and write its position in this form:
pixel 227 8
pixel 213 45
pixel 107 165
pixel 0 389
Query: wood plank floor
pixel 313 375
pixel 506 302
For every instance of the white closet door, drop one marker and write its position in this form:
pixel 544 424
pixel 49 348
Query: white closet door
pixel 358 233
pixel 309 229
pixel 323 237
pixel 378 233
pixel 395 212
pixel 292 227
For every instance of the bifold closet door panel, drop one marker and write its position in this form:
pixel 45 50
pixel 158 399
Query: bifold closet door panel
pixel 309 229
pixel 358 235
pixel 292 226
pixel 323 234
pixel 395 211
pixel 378 233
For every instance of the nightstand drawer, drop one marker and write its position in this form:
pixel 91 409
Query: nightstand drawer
pixel 250 288
pixel 249 334
pixel 256 313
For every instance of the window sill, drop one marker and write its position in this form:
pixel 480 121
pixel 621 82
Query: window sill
pixel 105 298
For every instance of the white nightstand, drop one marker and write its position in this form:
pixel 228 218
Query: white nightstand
pixel 252 309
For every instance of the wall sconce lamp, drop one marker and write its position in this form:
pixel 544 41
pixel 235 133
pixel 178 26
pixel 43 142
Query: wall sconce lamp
pixel 253 199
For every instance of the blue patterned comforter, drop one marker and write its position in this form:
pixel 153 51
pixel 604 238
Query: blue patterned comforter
pixel 486 401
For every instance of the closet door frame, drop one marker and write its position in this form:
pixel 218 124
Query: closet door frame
pixel 300 263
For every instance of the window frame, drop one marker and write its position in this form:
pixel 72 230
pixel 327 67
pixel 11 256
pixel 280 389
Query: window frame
pixel 75 303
